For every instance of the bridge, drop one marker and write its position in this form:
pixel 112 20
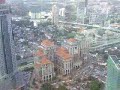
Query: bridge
pixel 97 46
pixel 105 45
pixel 74 24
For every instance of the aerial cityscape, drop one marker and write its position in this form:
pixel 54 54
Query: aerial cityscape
pixel 59 44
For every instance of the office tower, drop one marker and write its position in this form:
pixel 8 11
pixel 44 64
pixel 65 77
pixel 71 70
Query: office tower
pixel 113 73
pixel 82 10
pixel 55 14
pixel 86 5
pixel 7 58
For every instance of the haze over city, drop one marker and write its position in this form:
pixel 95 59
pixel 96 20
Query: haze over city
pixel 59 44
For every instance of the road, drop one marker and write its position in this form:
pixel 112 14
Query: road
pixel 109 42
pixel 86 68
pixel 87 25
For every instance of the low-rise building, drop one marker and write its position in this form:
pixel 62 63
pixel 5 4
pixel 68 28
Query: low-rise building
pixel 64 61
pixel 73 46
pixel 44 69
pixel 43 61
pixel 48 49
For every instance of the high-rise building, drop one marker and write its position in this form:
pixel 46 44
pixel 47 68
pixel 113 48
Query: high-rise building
pixel 44 69
pixel 6 39
pixel 113 73
pixel 7 58
pixel 55 13
pixel 82 10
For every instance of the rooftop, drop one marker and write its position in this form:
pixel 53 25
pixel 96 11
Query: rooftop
pixel 43 61
pixel 72 40
pixel 47 43
pixel 40 53
pixel 63 53
pixel 114 52
pixel 116 60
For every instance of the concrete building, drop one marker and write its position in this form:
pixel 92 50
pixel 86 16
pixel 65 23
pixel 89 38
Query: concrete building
pixel 62 12
pixel 44 61
pixel 44 69
pixel 37 15
pixel 113 73
pixel 73 46
pixel 55 14
pixel 64 62
pixel 82 10
pixel 48 48
pixel 7 55
pixel 85 41
pixel 10 76
pixel 98 11
pixel 5 50
pixel 6 38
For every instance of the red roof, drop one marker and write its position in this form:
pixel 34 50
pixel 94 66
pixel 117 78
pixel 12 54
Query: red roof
pixel 43 61
pixel 40 53
pixel 72 40
pixel 47 43
pixel 63 53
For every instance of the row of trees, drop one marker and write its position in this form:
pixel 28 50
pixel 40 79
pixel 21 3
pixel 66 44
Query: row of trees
pixel 96 85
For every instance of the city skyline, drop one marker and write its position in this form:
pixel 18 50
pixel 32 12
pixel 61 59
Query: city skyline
pixel 59 44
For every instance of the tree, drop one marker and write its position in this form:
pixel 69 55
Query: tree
pixel 101 32
pixel 78 80
pixel 105 56
pixel 95 85
pixel 47 86
pixel 62 87
pixel 54 78
pixel 70 35
pixel 18 57
pixel 45 24
pixel 118 21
